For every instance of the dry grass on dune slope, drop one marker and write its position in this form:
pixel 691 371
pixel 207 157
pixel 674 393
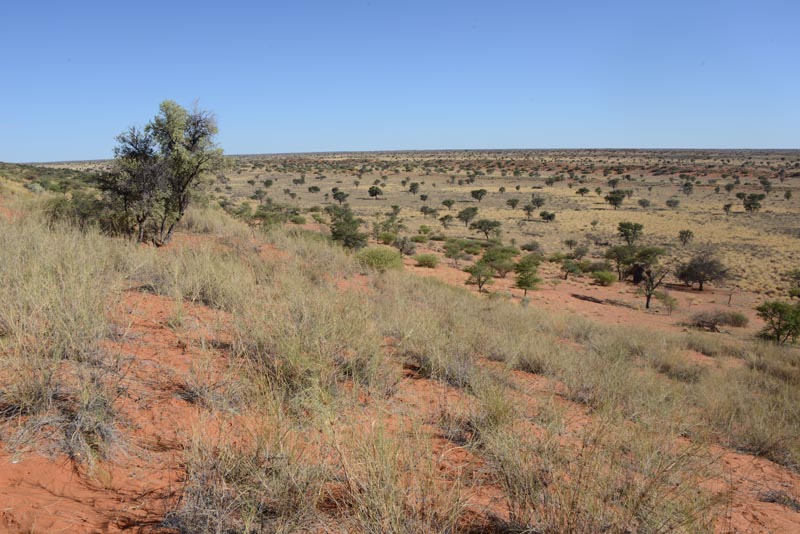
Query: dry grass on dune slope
pixel 358 401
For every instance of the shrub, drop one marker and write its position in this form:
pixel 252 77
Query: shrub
pixel 713 318
pixel 380 259
pixel 297 219
pixel 405 245
pixel 419 239
pixel 427 260
pixel 604 278
pixel 386 238
pixel 783 321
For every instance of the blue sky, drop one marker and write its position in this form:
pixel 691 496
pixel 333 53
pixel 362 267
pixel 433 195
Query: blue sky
pixel 373 75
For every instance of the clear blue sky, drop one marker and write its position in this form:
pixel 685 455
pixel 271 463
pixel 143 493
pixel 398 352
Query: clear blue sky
pixel 371 75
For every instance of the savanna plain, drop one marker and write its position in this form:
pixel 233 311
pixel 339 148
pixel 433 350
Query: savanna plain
pixel 540 341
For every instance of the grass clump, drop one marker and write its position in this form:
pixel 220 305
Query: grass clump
pixel 380 259
pixel 427 260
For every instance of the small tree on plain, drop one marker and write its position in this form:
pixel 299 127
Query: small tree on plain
pixel 467 214
pixel 684 236
pixel 701 269
pixel 480 274
pixel 478 194
pixel 782 321
pixel 486 227
pixel 629 231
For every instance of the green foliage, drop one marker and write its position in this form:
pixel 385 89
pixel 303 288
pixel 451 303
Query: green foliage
pixel 629 231
pixel 486 226
pixel 427 260
pixel 386 238
pixel 752 202
pixel 344 227
pixel 604 278
pixel 297 219
pixel 478 194
pixel 467 214
pixel 684 236
pixel 480 274
pixel 547 216
pixel 158 170
pixel 500 259
pixel 380 259
pixel 615 198
pixel 782 321
pixel 673 203
pixel 375 191
pixel 701 269
pixel 569 267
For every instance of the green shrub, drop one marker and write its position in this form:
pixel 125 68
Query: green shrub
pixel 386 238
pixel 604 278
pixel 419 239
pixel 427 260
pixel 380 258
pixel 297 219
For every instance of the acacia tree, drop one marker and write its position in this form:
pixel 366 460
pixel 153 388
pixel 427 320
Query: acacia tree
pixel 486 226
pixel 138 180
pixel 478 194
pixel 615 198
pixel 160 168
pixel 467 214
pixel 702 268
pixel 630 231
pixel 188 151
pixel 480 274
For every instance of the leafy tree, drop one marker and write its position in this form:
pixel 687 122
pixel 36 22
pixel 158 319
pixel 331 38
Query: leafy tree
pixel 629 231
pixel 684 236
pixel 139 181
pixel 701 269
pixel 547 216
pixel 570 243
pixel 446 220
pixel 448 203
pixel 583 191
pixel 752 202
pixel 340 196
pixel 687 188
pixel 528 209
pixel 613 183
pixel 413 188
pixel 375 191
pixel 782 321
pixel 344 227
pixel 570 267
pixel 501 259
pixel 537 201
pixel 512 203
pixel 653 278
pixel 467 214
pixel 160 169
pixel 528 280
pixel 727 208
pixel 486 226
pixel 644 203
pixel 478 194
pixel 454 250
pixel 480 274
pixel 615 198
pixel 673 203
pixel 622 256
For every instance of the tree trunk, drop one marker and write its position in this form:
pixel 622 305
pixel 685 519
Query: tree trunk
pixel 647 297
pixel 701 285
